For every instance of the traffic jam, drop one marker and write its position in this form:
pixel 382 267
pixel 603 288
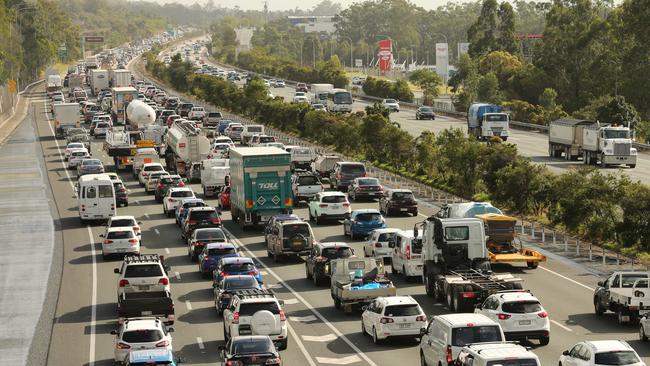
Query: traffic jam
pixel 246 204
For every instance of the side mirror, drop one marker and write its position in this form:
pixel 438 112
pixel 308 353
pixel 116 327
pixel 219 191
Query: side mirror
pixel 139 222
pixel 101 235
pixel 113 332
pixel 170 330
pixel 601 283
pixel 116 270
pixel 281 302
pixel 565 353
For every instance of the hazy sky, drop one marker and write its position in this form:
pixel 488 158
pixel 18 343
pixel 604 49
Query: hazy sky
pixel 303 4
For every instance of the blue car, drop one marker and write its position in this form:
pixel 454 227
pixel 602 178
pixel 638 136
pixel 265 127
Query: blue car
pixel 150 357
pixel 183 208
pixel 223 124
pixel 212 253
pixel 231 266
pixel 362 222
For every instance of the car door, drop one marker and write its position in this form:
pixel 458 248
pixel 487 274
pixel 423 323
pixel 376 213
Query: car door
pixel 573 358
pixel 428 344
pixel 489 308
pixel 603 293
pixel 273 237
pixel 228 314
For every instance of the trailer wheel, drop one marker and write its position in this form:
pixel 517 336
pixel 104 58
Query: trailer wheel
pixel 429 283
pixel 532 265
pixel 450 298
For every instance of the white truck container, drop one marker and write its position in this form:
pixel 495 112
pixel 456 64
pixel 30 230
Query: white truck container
pixel 121 78
pixel 54 83
pixel 66 115
pixel 594 141
pixel 249 131
pixel 98 80
pixel 75 81
pixel 140 115
pixel 319 93
pixel 213 175
pixel 185 145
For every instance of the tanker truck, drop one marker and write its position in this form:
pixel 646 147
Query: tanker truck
pixel 141 117
pixel 185 146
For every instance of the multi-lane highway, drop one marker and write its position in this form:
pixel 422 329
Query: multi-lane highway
pixel 319 334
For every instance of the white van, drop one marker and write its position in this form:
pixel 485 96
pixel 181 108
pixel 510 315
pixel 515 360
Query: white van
pixel 406 257
pixel 144 156
pixel 96 197
pixel 447 334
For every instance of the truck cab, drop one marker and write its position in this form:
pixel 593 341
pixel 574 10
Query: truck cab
pixel 487 120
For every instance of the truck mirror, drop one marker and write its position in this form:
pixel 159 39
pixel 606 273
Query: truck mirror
pixel 415 233
pixel 113 332
pixel 601 283
pixel 116 270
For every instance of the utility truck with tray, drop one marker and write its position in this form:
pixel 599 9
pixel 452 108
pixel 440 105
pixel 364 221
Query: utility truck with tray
pixel 214 173
pixel 358 281
pixel 123 145
pixel 456 264
pixel 186 145
pixel 627 294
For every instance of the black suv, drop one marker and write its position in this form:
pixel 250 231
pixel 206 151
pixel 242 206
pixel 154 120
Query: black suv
pixel 344 173
pixel 200 217
pixel 250 350
pixel 395 201
pixel 317 263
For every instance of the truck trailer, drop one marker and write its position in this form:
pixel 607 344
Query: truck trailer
pixel 66 115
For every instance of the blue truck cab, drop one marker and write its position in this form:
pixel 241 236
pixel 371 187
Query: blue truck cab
pixel 150 357
pixel 260 184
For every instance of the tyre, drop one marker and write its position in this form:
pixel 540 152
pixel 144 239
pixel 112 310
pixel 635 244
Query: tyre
pixel 316 279
pixel 532 265
pixel 283 344
pixel 337 303
pixel 375 340
pixel 363 329
pixel 544 341
pixel 450 298
pixel 642 336
pixel 393 270
pixel 307 275
pixel 598 309
pixel 352 236
pixel 429 283
pixel 277 257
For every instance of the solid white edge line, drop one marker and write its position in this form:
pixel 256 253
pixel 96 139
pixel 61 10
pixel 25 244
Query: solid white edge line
pixel 561 326
pixel 567 278
pixel 93 254
pixel 305 302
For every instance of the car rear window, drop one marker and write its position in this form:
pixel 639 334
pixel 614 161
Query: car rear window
pixel 335 253
pixel 232 283
pixel 308 180
pixel 403 196
pixel 334 199
pixel 295 229
pixel 356 169
pixel 174 180
pixel 237 128
pixel 194 204
pixel 402 310
pixel 369 217
pixel 92 162
pixel 182 194
pixel 216 235
pixel 616 358
pixel 153 168
pixel 521 307
pixel 123 222
pixel 142 336
pixel 265 139
pixel 250 308
pixel 517 362
pixel 368 182
pixel 214 114
pixel 126 234
pixel 465 335
pixel 252 346
pixel 221 251
pixel 238 267
pixel 203 215
pixel 143 270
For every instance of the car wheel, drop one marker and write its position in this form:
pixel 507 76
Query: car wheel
pixel 352 236
pixel 316 279
pixel 375 340
pixel 277 257
pixel 337 303
pixel 642 336
pixel 283 344
pixel 423 362
pixel 598 309
pixel 544 341
pixel 363 328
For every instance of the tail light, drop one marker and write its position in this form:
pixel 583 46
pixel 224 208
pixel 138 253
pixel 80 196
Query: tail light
pixel 377 245
pixel 249 203
pixel 542 314
pixel 253 273
pixel 223 274
pixel 338 175
pixel 321 259
pixel 122 189
pixel 163 281
pixel 365 174
pixel 421 318
pixel 160 185
pixel 181 184
pixel 206 258
pixel 133 241
pixel 386 320
pixel 136 228
pixel 288 201
pixel 469 295
pixel 108 242
pixel 216 221
pixel 124 283
pixel 273 361
pixel 450 357
pixel 145 174
pixel 282 317
pixel 322 205
pixel 164 343
pixel 191 222
pixel 346 204
pixel 503 316
pixel 408 252
pixel 234 363
pixel 122 345
pixel 235 318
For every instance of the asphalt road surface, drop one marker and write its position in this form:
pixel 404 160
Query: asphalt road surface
pixel 319 334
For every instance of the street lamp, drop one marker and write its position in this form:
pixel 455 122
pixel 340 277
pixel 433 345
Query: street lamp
pixel 351 47
pixel 313 51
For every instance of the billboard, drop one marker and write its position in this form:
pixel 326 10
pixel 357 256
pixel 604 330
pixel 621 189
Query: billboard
pixel 442 60
pixel 385 55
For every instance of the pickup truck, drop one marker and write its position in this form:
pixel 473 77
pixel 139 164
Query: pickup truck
pixel 302 157
pixel 324 164
pixel 305 186
pixel 157 304
pixel 358 281
pixel 624 294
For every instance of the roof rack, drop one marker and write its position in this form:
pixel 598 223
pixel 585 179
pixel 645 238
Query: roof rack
pixel 253 293
pixel 141 258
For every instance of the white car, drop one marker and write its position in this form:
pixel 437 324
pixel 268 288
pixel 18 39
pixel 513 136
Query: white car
pixel 395 316
pixel 174 197
pixel 71 146
pixel 141 334
pixel 406 256
pixel 114 176
pixel 77 156
pixel 595 353
pixel 196 114
pixel 391 104
pixel 101 128
pixel 120 240
pixel 300 99
pixel 379 243
pixel 147 169
pixel 492 354
pixel 520 315
pixel 124 221
pixel 329 206
pixel 222 140
pixel 280 84
pixel 152 181
pixel 142 273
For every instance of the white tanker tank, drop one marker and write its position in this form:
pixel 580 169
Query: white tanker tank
pixel 140 115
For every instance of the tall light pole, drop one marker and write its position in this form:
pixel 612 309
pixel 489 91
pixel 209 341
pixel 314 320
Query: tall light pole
pixel 351 49
pixel 313 51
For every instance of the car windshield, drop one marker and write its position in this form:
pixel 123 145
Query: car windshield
pixel 250 308
pixel 123 222
pixel 126 234
pixel 75 146
pixel 616 358
pixel 334 199
pixel 212 234
pixel 617 134
pixel 513 362
pixel 521 307
pixel 251 346
pixel 402 310
pixel 221 251
pixel 142 336
pixel 335 253
pixel 356 169
pixel 465 335
pixel 389 237
pixel 194 204
pixel 204 215
pixel 368 216
pixel 182 194
pixel 368 182
pixel 496 117
pixel 143 270
pixel 308 180
pixel 233 283
pixel 238 267
pixel 295 229
pixel 416 247
pixel 403 196
pixel 629 279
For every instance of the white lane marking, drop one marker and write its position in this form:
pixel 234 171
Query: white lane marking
pixel 294 335
pixel 291 301
pixel 303 319
pixel 158 233
pixel 137 202
pixel 425 216
pixel 274 286
pixel 567 278
pixel 561 326
pixel 264 273
pixel 339 361
pixel 188 305
pixel 146 215
pixel 178 275
pixel 167 251
pixel 323 338
pixel 199 340
pixel 307 304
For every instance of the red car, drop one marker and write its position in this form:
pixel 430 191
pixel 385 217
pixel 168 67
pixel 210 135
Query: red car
pixel 224 197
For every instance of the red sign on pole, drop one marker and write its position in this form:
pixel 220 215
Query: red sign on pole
pixel 385 55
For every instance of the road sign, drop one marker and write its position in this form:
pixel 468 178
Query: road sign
pixel 358 62
pixel 94 39
pixel 12 86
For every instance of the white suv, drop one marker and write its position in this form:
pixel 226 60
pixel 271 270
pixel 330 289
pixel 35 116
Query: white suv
pixel 588 353
pixel 488 354
pixel 395 316
pixel 380 243
pixel 520 315
pixel 174 197
pixel 139 334
pixel 329 206
pixel 142 273
pixel 256 312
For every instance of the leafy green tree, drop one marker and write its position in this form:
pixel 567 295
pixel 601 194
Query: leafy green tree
pixel 465 83
pixel 618 111
pixel 482 35
pixel 506 40
pixel 634 229
pixel 523 186
pixel 488 89
pixel 429 81
pixel 548 98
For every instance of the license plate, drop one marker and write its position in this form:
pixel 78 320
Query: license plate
pixel 403 209
pixel 98 215
pixel 524 322
pixel 336 206
pixel 405 325
pixel 145 313
pixel 121 250
pixel 244 332
pixel 143 288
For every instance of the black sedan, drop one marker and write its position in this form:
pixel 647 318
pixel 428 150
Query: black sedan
pixel 250 350
pixel 425 112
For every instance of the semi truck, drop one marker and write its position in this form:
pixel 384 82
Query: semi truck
pixel 98 81
pixel 456 266
pixel 121 97
pixel 595 142
pixel 260 184
pixel 66 115
pixel 487 120
pixel 185 146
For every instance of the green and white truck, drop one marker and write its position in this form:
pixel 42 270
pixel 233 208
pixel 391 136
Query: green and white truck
pixel 260 179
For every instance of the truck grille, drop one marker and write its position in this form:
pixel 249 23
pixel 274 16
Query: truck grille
pixel 622 149
pixel 496 131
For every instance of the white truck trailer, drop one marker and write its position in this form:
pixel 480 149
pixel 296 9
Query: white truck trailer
pixel 66 115
pixel 98 80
